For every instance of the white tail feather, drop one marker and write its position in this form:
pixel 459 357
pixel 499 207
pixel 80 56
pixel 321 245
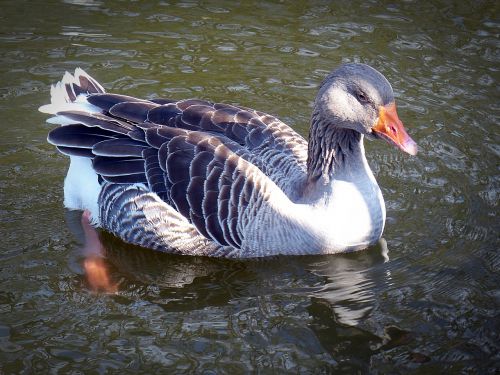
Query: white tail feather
pixel 81 186
pixel 60 97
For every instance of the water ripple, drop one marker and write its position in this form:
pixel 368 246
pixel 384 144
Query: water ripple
pixel 433 306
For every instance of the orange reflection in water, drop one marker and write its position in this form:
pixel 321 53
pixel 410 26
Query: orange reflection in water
pixel 94 265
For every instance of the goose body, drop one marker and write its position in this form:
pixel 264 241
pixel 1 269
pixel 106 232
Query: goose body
pixel 201 178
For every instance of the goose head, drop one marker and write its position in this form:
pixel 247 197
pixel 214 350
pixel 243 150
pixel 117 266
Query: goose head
pixel 359 98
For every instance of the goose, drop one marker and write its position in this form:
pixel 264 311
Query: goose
pixel 211 179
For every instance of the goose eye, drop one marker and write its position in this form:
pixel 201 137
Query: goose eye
pixel 361 97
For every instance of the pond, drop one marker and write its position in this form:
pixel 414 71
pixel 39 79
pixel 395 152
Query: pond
pixel 425 300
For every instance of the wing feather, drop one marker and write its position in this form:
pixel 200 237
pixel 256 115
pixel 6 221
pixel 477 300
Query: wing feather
pixel 106 101
pixel 119 147
pixel 77 136
pixel 75 151
pixel 164 114
pixel 132 111
pixel 215 163
pixel 274 145
pixel 111 167
pixel 155 175
pixel 206 177
pixel 127 179
pixel 99 120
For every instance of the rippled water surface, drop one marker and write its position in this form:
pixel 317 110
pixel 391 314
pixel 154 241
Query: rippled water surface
pixel 426 302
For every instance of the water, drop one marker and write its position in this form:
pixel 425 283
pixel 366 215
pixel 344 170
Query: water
pixel 427 302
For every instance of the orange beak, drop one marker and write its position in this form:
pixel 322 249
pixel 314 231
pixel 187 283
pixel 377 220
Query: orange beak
pixel 390 127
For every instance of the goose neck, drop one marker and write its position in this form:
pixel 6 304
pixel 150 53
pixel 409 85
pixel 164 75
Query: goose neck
pixel 332 151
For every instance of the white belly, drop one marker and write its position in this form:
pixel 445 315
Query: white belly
pixel 356 214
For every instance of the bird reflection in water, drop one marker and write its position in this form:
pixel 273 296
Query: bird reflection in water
pixel 343 290
pixel 106 259
pixel 350 283
pixel 95 267
pixel 349 280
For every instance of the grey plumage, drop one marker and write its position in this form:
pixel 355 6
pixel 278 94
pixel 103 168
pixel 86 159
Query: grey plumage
pixel 194 157
pixel 201 178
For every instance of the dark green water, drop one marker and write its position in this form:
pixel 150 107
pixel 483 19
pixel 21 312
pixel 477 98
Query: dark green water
pixel 430 305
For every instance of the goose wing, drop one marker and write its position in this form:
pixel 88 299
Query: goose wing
pixel 204 176
pixel 275 148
